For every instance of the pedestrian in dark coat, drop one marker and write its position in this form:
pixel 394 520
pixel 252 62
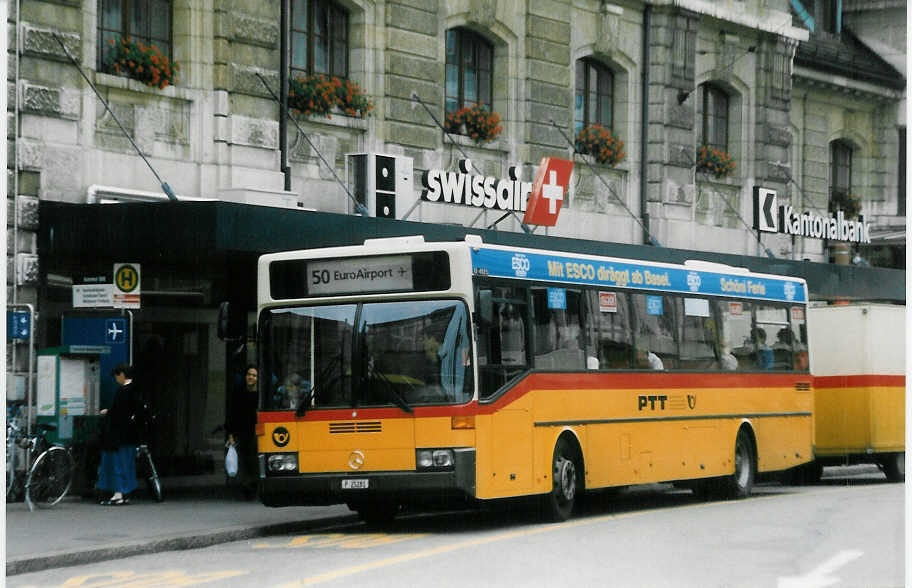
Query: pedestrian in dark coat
pixel 117 472
pixel 240 425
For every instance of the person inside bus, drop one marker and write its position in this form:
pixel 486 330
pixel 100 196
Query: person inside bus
pixel 646 359
pixel 765 357
pixel 289 393
pixel 512 336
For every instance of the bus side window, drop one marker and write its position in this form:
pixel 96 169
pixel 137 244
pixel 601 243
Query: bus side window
pixel 558 332
pixel 697 335
pixel 736 321
pixel 799 339
pixel 656 328
pixel 502 342
pixel 611 337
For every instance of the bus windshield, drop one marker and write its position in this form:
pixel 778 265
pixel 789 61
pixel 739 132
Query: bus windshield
pixel 374 354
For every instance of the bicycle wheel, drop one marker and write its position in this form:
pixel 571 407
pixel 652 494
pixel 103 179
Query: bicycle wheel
pixel 13 485
pixel 50 478
pixel 151 475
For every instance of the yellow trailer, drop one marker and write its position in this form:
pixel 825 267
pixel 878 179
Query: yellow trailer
pixel 858 362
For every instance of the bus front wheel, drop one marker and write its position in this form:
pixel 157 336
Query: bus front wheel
pixel 894 466
pixel 741 482
pixel 566 482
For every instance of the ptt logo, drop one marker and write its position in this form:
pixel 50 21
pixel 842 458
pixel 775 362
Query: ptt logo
pixel 693 281
pixel 789 291
pixel 520 265
pixel 281 436
pixel 650 401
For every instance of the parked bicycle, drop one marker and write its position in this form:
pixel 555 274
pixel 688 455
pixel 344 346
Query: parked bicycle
pixel 50 475
pixel 146 469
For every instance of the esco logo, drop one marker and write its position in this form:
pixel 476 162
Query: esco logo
pixel 789 290
pixel 693 281
pixel 520 265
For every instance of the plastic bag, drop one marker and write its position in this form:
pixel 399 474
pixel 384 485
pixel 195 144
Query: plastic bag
pixel 231 462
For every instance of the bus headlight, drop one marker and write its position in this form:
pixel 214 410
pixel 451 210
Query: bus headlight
pixel 434 459
pixel 282 463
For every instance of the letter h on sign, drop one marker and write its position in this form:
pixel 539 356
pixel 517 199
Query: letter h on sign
pixel 548 191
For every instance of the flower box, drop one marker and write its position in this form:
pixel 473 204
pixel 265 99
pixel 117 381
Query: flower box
pixel 598 142
pixel 474 122
pixel 143 63
pixel 320 95
pixel 715 162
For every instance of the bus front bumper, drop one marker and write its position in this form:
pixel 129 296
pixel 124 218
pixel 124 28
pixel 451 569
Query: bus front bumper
pixel 400 486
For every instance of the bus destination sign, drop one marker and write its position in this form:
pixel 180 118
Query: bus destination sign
pixel 362 274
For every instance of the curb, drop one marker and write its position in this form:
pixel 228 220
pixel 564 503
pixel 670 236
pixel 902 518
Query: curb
pixel 191 540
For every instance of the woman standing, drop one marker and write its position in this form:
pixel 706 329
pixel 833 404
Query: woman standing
pixel 117 472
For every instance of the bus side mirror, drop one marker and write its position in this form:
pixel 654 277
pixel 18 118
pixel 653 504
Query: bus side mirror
pixel 227 327
pixel 485 307
pixel 222 324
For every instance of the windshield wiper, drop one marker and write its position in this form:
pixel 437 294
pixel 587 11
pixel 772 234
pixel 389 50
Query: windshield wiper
pixel 390 390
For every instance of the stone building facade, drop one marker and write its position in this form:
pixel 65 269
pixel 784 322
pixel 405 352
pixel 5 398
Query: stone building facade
pixel 681 73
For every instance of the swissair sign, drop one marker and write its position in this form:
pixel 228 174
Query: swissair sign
pixel 548 191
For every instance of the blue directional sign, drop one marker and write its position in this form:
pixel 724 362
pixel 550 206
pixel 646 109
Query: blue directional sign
pixel 115 330
pixel 18 324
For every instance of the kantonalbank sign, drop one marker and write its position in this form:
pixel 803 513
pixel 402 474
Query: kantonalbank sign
pixel 771 218
pixel 530 265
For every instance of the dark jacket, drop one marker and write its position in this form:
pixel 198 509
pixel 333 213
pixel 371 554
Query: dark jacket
pixel 119 426
pixel 242 413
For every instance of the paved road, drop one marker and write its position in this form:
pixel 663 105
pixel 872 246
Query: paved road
pixel 846 532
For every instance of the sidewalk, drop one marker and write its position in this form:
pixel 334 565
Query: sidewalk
pixel 79 531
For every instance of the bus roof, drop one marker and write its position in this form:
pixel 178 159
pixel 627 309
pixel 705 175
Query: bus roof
pixel 502 261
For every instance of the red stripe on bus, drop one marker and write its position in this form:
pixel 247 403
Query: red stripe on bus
pixel 859 381
pixel 555 381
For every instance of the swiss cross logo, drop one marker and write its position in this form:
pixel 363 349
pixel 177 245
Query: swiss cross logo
pixel 548 191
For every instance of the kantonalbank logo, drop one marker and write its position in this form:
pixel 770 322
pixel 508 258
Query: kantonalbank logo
pixel 733 286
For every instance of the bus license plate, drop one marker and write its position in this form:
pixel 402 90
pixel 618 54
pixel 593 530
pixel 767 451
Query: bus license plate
pixel 356 484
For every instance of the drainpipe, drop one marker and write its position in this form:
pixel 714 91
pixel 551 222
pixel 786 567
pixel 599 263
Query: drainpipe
pixel 644 117
pixel 283 96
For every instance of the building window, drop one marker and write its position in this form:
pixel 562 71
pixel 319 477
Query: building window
pixel 319 39
pixel 469 70
pixel 840 169
pixel 144 21
pixel 714 103
pixel 594 98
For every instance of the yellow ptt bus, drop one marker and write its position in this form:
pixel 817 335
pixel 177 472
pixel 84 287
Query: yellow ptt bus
pixel 404 372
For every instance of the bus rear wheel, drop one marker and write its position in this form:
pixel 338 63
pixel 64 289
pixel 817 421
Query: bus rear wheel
pixel 566 482
pixel 894 466
pixel 741 482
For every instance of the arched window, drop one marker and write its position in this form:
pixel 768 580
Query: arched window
pixel 319 38
pixel 840 169
pixel 594 97
pixel 714 120
pixel 469 70
pixel 144 21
